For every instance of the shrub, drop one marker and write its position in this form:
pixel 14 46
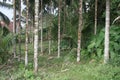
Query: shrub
pixel 5 43
pixel 96 45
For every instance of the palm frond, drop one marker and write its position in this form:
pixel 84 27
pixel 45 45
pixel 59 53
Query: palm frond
pixel 116 19
pixel 5 45
pixel 4 18
pixel 5 42
pixel 3 4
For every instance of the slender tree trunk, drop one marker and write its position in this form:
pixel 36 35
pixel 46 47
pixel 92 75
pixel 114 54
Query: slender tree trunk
pixel 79 30
pixel 19 30
pixel 33 24
pixel 41 29
pixel 59 29
pixel 26 40
pixel 64 27
pixel 72 2
pixel 50 28
pixel 30 32
pixel 50 38
pixel 95 27
pixel 36 36
pixel 14 28
pixel 107 26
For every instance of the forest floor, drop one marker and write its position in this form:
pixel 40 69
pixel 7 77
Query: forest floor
pixel 51 68
pixel 64 68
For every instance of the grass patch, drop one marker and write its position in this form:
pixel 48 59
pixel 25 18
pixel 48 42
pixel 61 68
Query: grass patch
pixel 60 69
pixel 63 68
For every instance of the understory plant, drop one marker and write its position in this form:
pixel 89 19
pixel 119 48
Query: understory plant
pixel 5 44
pixel 96 45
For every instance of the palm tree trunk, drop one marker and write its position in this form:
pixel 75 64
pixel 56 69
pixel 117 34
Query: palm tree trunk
pixel 50 38
pixel 50 28
pixel 95 27
pixel 19 30
pixel 14 27
pixel 59 29
pixel 107 26
pixel 64 27
pixel 79 30
pixel 36 36
pixel 26 40
pixel 33 24
pixel 41 29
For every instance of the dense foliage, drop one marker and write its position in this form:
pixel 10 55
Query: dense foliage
pixel 5 43
pixel 96 45
pixel 91 66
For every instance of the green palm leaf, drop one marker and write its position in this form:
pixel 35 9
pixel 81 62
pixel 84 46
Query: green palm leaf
pixel 4 18
pixel 4 4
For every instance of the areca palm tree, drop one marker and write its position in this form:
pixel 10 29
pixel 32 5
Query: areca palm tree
pixel 79 31
pixel 41 27
pixel 50 27
pixel 19 28
pixel 14 27
pixel 36 36
pixel 95 27
pixel 59 28
pixel 26 41
pixel 107 26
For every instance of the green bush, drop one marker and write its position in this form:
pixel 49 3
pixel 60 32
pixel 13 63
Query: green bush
pixel 5 43
pixel 96 45
pixel 115 61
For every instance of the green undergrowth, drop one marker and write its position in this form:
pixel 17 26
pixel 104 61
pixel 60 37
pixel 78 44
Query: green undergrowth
pixel 52 68
pixel 63 68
